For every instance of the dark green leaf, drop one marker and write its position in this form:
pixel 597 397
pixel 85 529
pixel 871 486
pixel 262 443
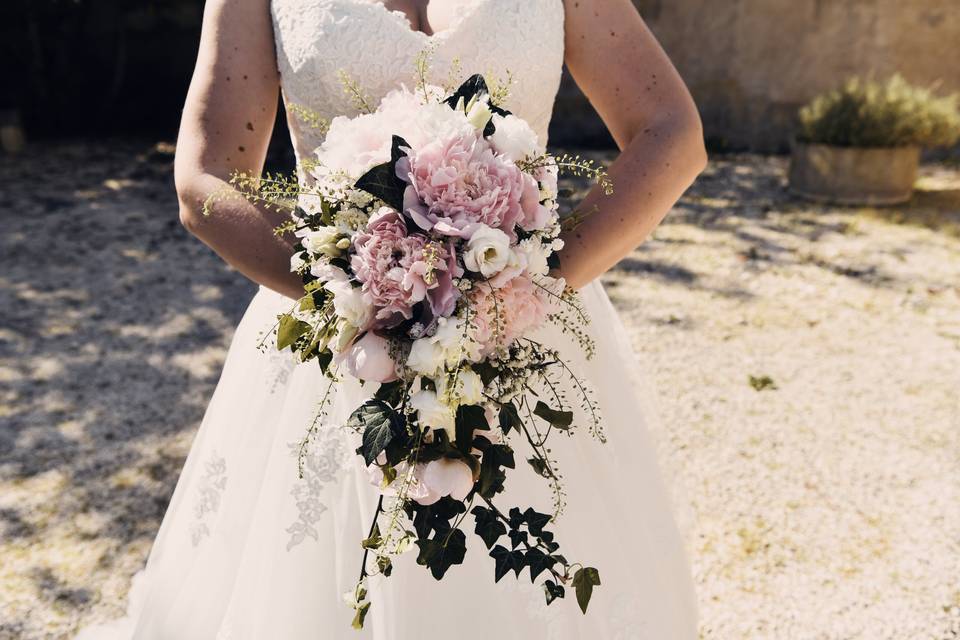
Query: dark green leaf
pixel 535 521
pixel 552 590
pixel 509 418
pixel 538 562
pixel 470 417
pixel 289 330
pixel 540 466
pixel 559 419
pixel 381 181
pixel 506 560
pixel 489 527
pixel 380 425
pixel 517 537
pixel 584 580
pixel 442 552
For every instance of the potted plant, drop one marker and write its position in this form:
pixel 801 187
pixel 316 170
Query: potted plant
pixel 860 144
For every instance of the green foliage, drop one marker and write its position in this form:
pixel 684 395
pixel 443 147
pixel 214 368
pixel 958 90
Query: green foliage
pixel 894 113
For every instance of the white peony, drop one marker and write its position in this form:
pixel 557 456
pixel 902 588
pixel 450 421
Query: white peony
pixel 487 251
pixel 513 138
pixel 350 303
pixel 426 356
pixel 433 413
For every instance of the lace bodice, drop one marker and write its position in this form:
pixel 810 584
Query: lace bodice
pixel 377 47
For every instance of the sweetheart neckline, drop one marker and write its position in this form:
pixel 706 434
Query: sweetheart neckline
pixel 470 10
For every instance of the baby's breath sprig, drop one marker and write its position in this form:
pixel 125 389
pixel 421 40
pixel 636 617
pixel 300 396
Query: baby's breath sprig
pixel 359 99
pixel 422 65
pixel 571 317
pixel 500 89
pixel 309 117
pixel 453 76
pixel 573 164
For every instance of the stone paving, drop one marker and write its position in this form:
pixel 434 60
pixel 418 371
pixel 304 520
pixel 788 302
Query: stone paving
pixel 806 360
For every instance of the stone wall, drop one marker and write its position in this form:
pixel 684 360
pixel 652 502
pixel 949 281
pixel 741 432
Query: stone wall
pixel 750 64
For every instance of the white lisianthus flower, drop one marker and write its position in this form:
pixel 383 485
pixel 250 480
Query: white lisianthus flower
pixel 428 355
pixel 513 138
pixel 536 253
pixel 487 251
pixel 323 240
pixel 433 413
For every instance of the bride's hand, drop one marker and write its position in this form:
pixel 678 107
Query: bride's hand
pixel 226 127
pixel 617 62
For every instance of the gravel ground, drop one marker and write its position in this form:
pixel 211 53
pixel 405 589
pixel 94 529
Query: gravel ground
pixel 807 361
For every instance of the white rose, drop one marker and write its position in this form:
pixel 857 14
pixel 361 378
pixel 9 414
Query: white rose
pixel 488 251
pixel 322 240
pixel 471 387
pixel 433 413
pixel 513 137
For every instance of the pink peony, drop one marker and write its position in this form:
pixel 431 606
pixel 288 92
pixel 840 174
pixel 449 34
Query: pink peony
pixel 398 270
pixel 521 307
pixel 458 182
pixel 443 477
pixel 369 359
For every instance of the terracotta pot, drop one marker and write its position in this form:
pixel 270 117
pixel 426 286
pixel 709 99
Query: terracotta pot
pixel 853 175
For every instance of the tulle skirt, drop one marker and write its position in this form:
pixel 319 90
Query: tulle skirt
pixel 249 550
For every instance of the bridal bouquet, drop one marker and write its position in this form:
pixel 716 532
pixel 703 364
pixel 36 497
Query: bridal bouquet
pixel 426 231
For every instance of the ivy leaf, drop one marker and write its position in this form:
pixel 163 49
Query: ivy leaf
pixel 473 86
pixel 390 392
pixel 442 552
pixel 381 181
pixel 489 527
pixel 540 466
pixel 469 418
pixel 375 539
pixel 380 425
pixel 538 562
pixel 584 580
pixel 553 590
pixel 535 521
pixel 289 330
pixel 516 537
pixel 361 614
pixel 509 418
pixel 559 419
pixel 506 561
pixel 491 473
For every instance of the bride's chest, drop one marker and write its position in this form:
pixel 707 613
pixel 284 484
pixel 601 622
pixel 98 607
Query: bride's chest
pixel 322 42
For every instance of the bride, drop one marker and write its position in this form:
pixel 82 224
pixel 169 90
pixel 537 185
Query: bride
pixel 247 549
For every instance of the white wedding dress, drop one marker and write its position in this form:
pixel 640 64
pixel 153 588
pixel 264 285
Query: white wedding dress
pixel 247 551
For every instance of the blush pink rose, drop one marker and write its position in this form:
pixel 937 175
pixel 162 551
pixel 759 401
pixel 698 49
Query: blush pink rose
pixel 369 359
pixel 458 183
pixel 443 477
pixel 521 305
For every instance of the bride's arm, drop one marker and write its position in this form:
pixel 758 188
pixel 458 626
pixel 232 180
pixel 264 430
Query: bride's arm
pixel 226 127
pixel 618 64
